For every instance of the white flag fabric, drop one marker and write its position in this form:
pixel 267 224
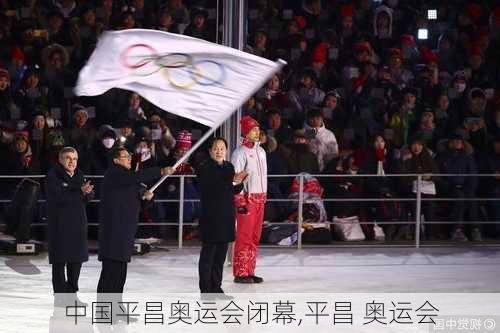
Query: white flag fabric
pixel 182 75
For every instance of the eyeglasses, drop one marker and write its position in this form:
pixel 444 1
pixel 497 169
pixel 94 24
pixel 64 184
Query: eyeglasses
pixel 127 157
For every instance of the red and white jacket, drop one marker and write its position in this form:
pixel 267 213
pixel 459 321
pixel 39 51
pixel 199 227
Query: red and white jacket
pixel 250 157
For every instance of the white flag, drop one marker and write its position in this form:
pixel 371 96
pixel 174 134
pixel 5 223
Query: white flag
pixel 182 75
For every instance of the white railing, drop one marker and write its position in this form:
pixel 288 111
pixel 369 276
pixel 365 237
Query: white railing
pixel 418 199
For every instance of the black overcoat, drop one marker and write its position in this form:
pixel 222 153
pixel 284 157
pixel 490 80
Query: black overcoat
pixel 217 221
pixel 121 194
pixel 67 226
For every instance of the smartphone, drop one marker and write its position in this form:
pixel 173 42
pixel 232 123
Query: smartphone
pixel 473 120
pixel 310 133
pixel 42 33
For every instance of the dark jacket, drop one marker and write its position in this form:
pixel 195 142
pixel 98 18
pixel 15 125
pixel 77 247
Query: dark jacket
pixel 375 185
pixel 418 164
pixel 217 201
pixel 121 194
pixel 67 228
pixel 299 159
pixel 458 162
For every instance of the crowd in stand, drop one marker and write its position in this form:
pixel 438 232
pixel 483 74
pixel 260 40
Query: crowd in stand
pixel 363 93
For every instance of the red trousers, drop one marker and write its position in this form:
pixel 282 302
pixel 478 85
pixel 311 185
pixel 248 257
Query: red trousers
pixel 248 230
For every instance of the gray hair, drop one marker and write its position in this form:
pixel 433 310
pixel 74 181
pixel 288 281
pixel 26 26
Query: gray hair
pixel 66 150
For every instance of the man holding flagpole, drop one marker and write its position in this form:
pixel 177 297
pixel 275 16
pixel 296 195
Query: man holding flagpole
pixel 251 158
pixel 121 194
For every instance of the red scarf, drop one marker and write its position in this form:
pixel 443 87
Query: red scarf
pixel 247 143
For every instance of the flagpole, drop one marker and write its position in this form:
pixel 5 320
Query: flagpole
pixel 210 132
pixel 185 156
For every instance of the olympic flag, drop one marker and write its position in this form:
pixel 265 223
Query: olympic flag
pixel 189 77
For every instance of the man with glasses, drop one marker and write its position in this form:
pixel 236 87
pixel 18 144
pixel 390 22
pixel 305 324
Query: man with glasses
pixel 121 195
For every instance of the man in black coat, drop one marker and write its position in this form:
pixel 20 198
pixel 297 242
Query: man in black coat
pixel 121 195
pixel 217 183
pixel 67 195
pixel 458 161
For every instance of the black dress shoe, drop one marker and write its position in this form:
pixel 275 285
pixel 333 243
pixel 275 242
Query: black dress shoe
pixel 257 279
pixel 244 279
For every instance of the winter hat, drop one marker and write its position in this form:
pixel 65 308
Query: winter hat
pixel 411 91
pixel 299 133
pixel 22 135
pixel 475 11
pixel 198 11
pixel 301 22
pixel 320 53
pixel 429 56
pixel 4 73
pixel 17 53
pixel 456 136
pixel 362 47
pixel 183 140
pixel 49 50
pixel 247 123
pixel 475 49
pixel 395 52
pixel 347 10
pixel 109 134
pixel 408 40
pixel 333 93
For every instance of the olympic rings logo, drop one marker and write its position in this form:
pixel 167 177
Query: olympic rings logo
pixel 179 69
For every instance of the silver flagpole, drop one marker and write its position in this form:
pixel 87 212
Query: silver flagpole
pixel 186 156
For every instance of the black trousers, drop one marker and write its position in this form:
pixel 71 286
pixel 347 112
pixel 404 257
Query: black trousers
pixel 211 266
pixel 66 282
pixel 113 276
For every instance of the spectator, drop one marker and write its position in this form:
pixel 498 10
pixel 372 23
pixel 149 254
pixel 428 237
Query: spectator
pixel 163 141
pixel 399 75
pixel 271 95
pixel 21 161
pixel 323 142
pixel 420 161
pixel 306 95
pixel 456 160
pixel 379 161
pixel 191 209
pixel 101 151
pixel 58 30
pixel 276 128
pixel 198 27
pixel 81 135
pixel 17 67
pixel 167 23
pixel 179 11
pixel 6 103
pixel 30 95
pixel 38 138
pixel 427 128
pixel 299 156
pixel 135 111
pixel 127 135
pixel 88 30
pixel 335 116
